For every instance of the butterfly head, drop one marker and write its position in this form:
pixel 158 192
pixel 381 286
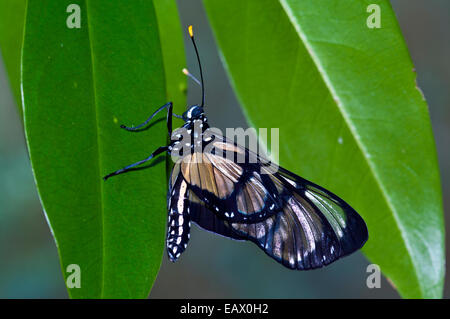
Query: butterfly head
pixel 193 112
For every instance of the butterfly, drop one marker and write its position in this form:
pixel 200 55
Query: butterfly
pixel 296 222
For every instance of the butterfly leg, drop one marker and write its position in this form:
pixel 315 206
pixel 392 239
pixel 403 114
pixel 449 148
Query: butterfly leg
pixel 169 119
pixel 137 128
pixel 160 150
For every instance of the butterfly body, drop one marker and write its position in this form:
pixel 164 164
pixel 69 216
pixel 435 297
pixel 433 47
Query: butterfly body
pixel 234 192
pixel 296 222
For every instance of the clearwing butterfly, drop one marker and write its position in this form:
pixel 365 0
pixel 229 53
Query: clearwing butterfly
pixel 296 222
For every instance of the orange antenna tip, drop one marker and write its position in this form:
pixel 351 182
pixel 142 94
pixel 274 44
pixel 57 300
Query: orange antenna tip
pixel 191 33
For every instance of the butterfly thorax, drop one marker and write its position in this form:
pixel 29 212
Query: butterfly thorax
pixel 193 136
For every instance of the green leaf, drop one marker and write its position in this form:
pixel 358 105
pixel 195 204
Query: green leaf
pixel 351 118
pixel 171 37
pixel 78 86
pixel 12 17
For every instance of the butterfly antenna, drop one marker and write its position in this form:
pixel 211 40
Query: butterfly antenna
pixel 191 34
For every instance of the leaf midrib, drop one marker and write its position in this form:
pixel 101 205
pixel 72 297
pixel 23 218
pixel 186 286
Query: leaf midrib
pixel 100 184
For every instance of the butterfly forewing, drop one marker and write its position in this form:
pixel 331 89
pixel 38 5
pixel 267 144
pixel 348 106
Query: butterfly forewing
pixel 193 209
pixel 236 192
pixel 344 220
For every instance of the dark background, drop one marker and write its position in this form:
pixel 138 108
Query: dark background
pixel 213 266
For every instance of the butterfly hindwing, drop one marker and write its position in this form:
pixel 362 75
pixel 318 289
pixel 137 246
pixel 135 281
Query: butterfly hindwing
pixel 178 228
pixel 208 220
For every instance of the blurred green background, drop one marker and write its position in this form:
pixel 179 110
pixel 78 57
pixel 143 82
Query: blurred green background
pixel 213 266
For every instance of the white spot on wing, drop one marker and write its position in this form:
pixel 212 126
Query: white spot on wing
pixel 180 203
